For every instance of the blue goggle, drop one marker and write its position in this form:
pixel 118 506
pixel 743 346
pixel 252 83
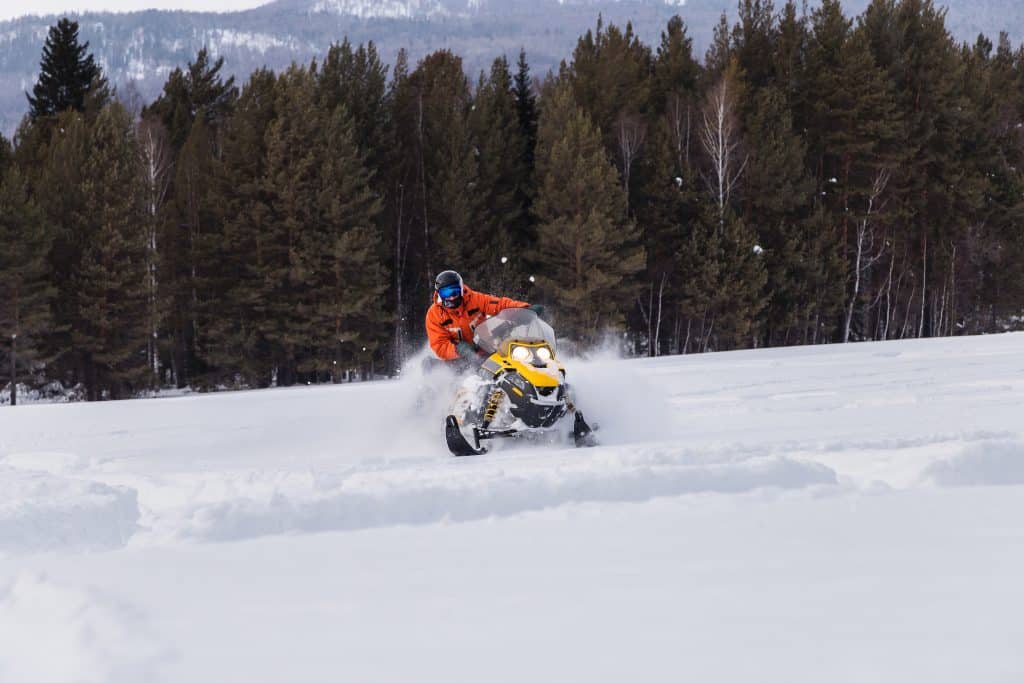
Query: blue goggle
pixel 450 291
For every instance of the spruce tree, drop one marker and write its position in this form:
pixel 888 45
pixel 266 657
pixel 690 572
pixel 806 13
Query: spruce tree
pixel 68 73
pixel 526 107
pixel 588 252
pixel 25 289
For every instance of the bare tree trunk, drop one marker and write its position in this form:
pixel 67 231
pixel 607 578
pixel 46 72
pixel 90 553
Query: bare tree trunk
pixel 14 369
pixel 645 313
pixel 399 271
pixel 924 286
pixel 888 298
pixel 631 135
pixel 906 320
pixel 657 324
pixel 865 242
pixel 423 191
pixel 952 292
pixel 157 161
pixel 707 338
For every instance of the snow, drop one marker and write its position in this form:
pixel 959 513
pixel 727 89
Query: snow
pixel 258 42
pixel 385 9
pixel 838 512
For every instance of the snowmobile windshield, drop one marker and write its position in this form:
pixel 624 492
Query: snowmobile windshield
pixel 513 325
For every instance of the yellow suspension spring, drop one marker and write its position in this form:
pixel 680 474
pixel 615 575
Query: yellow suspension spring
pixel 493 403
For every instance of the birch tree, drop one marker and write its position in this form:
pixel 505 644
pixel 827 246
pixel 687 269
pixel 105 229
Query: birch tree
pixel 720 139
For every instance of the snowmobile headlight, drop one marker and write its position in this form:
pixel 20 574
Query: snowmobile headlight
pixel 544 354
pixel 521 354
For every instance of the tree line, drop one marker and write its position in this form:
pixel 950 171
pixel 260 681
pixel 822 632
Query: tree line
pixel 814 178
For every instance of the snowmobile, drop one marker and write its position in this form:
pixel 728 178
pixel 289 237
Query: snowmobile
pixel 518 391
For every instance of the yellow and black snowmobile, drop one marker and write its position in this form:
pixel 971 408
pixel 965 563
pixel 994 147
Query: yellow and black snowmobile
pixel 519 389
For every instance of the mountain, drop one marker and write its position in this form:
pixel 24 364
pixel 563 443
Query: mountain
pixel 143 47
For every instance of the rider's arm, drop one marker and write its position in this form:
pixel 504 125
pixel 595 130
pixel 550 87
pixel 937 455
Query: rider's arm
pixel 439 337
pixel 492 304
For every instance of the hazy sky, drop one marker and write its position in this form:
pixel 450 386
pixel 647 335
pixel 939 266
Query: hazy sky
pixel 10 9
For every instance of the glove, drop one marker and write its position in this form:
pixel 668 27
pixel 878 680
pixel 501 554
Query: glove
pixel 538 309
pixel 467 350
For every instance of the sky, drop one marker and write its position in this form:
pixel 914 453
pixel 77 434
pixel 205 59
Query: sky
pixel 10 9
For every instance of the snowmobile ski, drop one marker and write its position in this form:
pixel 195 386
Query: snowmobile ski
pixel 457 443
pixel 582 433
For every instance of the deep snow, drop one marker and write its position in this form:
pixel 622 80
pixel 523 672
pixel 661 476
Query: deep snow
pixel 841 513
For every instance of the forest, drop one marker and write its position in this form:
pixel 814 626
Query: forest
pixel 813 178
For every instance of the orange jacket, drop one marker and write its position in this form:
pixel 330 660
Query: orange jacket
pixel 446 327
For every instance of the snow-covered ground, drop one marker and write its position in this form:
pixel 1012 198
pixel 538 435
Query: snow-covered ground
pixel 838 513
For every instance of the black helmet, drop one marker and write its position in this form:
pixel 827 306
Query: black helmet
pixel 448 287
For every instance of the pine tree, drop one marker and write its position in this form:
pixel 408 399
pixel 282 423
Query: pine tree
pixel 6 154
pixel 25 289
pixel 357 79
pixel 667 204
pixel 829 33
pixel 284 277
pixel 61 180
pixel 68 74
pixel 190 250
pixel 448 167
pixel 754 39
pixel 699 261
pixel 674 91
pixel 741 296
pixel 501 150
pixel 790 63
pixel 413 260
pixel 777 196
pixel 720 53
pixel 587 250
pixel 344 253
pixel 199 89
pixel 110 327
pixel 611 81
pixel 935 198
pixel 233 349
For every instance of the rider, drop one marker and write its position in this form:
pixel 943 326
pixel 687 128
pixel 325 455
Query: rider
pixel 456 312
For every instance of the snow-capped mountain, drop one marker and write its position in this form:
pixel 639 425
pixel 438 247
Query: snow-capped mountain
pixel 143 47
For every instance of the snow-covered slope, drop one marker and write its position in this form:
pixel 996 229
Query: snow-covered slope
pixel 839 513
